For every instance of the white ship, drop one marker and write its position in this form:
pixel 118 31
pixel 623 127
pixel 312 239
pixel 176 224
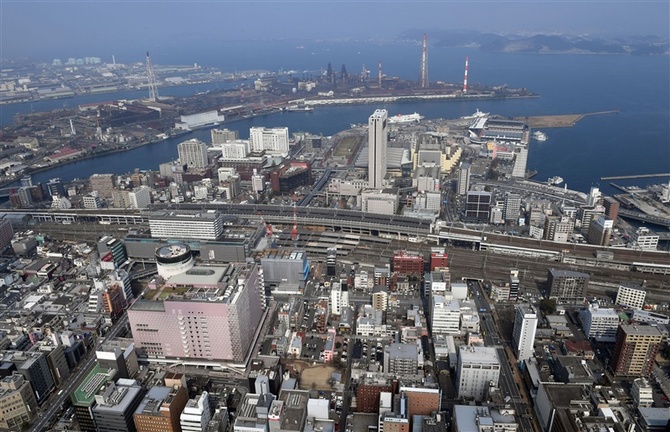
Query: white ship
pixel 405 118
pixel 299 108
pixel 540 136
pixel 476 115
pixel 555 181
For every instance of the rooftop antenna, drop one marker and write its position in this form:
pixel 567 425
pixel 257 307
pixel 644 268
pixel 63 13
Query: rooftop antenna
pixel 153 90
pixel 423 82
pixel 465 79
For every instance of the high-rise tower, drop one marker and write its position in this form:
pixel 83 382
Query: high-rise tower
pixel 423 80
pixel 377 136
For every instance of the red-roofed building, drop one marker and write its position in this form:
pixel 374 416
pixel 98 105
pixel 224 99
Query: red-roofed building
pixel 64 153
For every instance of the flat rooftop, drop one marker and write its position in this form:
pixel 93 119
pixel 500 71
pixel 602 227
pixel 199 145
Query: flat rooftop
pixel 84 395
pixel 478 355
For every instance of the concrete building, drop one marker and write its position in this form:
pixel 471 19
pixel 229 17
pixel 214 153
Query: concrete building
pixel 269 140
pixel 512 207
pixel 567 286
pixel 600 323
pixel 34 368
pixel 211 316
pixel 115 406
pixel 478 205
pixel 103 184
pixel 401 359
pixel 83 397
pixel 631 296
pixel 118 354
pixel 161 409
pixel 635 350
pixel 525 325
pixel 196 414
pixel 645 239
pixel 468 418
pixel 651 318
pixel 478 367
pixel 284 266
pixel 222 136
pixel 193 153
pixel 643 393
pixel 194 121
pixel 464 178
pixel 600 230
pixel 407 263
pixel 383 201
pixel 17 402
pixel 423 400
pixel 339 298
pixel 446 316
pixel 6 233
pixel 558 228
pixel 370 386
pixel 377 143
pixel 186 225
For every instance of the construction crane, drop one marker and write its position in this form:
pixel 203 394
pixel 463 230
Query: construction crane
pixel 294 231
pixel 153 89
pixel 268 226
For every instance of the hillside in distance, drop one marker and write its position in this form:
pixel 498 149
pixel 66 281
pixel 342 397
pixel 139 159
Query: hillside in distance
pixel 544 43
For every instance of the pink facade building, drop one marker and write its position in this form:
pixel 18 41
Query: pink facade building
pixel 204 314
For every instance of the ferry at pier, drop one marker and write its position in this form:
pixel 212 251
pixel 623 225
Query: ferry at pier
pixel 405 118
pixel 555 181
pixel 540 136
pixel 477 115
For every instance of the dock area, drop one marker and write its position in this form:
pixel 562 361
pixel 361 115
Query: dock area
pixel 556 121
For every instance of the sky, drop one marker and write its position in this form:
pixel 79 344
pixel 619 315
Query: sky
pixel 47 29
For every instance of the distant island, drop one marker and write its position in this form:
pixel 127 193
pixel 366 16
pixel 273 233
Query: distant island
pixel 547 43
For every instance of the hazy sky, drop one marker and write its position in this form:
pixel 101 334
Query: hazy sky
pixel 45 29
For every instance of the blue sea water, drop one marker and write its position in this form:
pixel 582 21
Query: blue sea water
pixel 635 141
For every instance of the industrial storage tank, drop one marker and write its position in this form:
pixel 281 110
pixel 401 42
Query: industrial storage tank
pixel 173 259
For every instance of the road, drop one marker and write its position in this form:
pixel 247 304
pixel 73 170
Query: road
pixel 55 404
pixel 492 337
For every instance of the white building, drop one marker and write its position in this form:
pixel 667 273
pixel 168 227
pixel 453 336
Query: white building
pixel 339 298
pixel 226 173
pixel 631 296
pixel 525 325
pixel 643 394
pixel 464 178
pixel 238 149
pixel 644 239
pixel 196 414
pixel 140 197
pixel 446 317
pixel 377 143
pixel 194 121
pixel 600 323
pixel 270 140
pixel 650 317
pixel 205 225
pixel 193 153
pixel 380 201
pixel 512 206
pixel 478 367
pixel 91 201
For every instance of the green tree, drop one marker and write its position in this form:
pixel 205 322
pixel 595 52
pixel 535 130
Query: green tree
pixel 548 306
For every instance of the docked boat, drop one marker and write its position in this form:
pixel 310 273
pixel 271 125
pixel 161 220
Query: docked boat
pixel 555 181
pixel 477 114
pixel 299 108
pixel 540 136
pixel 405 118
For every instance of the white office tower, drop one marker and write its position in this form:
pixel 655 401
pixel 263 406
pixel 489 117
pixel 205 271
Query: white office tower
pixel 339 298
pixel 594 197
pixel 257 182
pixel 446 316
pixel 271 140
pixel 512 206
pixel 600 323
pixel 377 137
pixel 196 414
pixel 140 197
pixel 525 325
pixel 478 367
pixel 464 178
pixel 193 153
